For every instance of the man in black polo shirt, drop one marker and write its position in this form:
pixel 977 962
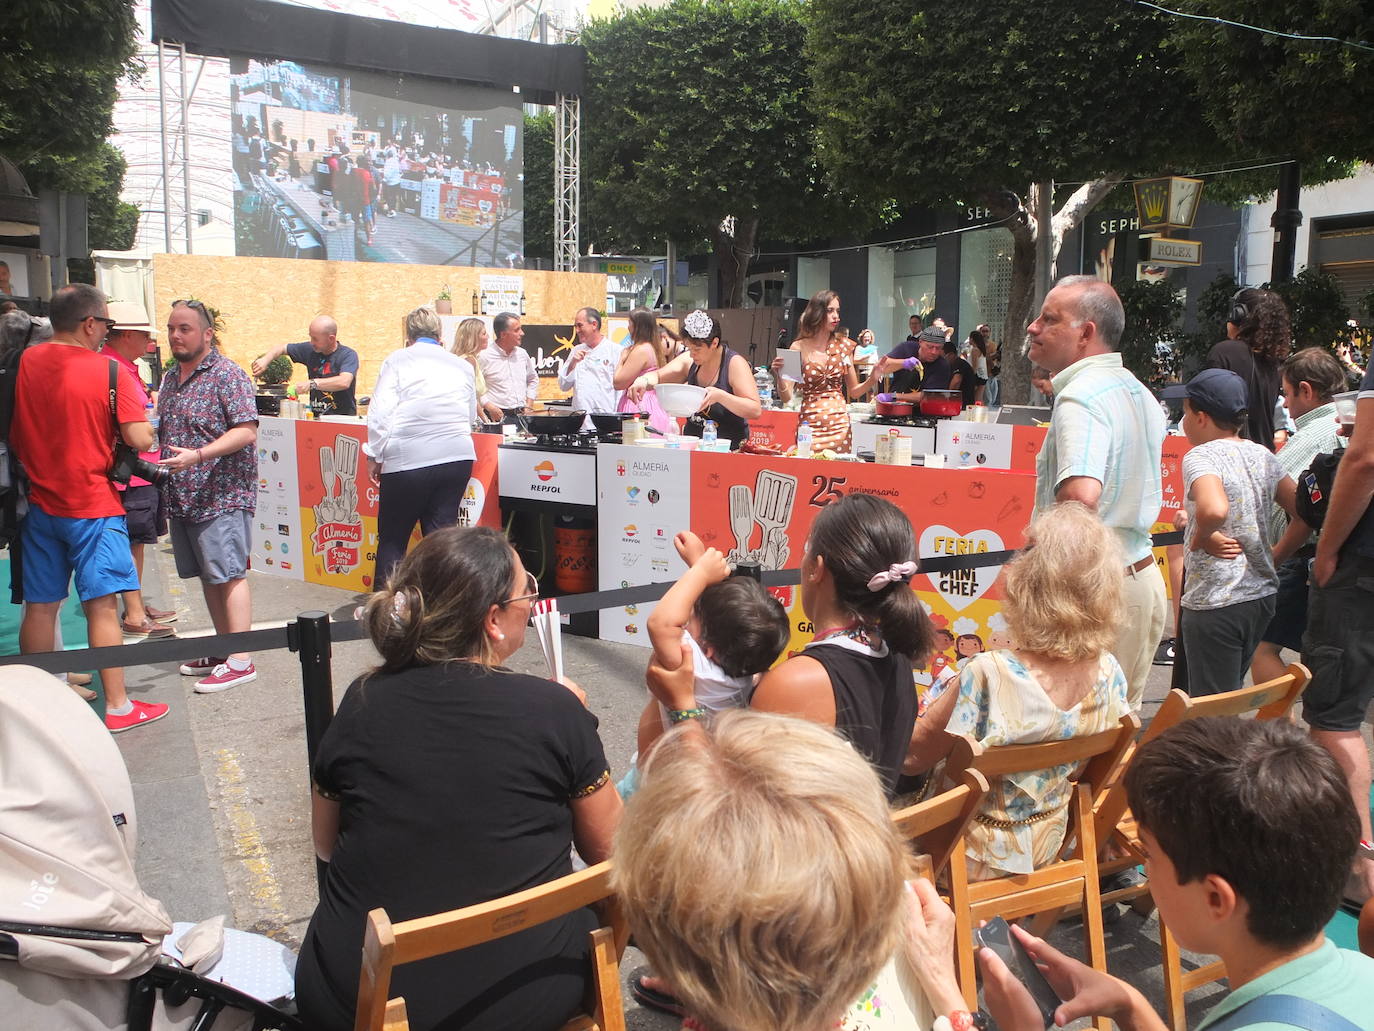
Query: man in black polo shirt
pixel 333 367
pixel 961 371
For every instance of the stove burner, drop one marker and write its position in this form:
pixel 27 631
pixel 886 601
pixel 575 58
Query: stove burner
pixel 584 439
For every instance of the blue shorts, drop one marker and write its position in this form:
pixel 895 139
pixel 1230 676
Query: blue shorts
pixel 97 550
pixel 1290 607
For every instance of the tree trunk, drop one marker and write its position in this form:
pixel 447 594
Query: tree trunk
pixel 1015 375
pixel 733 251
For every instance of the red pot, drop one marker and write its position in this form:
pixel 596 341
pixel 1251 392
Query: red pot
pixel 893 409
pixel 942 402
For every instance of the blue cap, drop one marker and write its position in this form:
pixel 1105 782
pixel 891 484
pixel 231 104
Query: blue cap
pixel 1218 392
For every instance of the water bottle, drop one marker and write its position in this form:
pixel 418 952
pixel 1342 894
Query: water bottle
pixel 803 439
pixel 763 379
pixel 152 418
pixel 708 435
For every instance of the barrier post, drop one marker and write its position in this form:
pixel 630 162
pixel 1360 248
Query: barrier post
pixel 309 635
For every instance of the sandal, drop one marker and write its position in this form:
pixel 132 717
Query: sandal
pixel 655 999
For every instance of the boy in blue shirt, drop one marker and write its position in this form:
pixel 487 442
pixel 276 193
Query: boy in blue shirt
pixel 1249 832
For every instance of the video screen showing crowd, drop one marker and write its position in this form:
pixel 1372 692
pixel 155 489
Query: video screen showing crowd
pixel 359 167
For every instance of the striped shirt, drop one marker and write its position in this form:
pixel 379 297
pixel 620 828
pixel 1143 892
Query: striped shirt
pixel 1315 435
pixel 1106 426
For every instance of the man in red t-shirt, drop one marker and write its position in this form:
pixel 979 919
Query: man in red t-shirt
pixel 63 433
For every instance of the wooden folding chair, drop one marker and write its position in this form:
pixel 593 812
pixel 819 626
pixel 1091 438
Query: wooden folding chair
pixel 1069 881
pixel 937 824
pixel 387 945
pixel 1116 826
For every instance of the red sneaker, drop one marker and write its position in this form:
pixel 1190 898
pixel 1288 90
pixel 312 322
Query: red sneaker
pixel 200 667
pixel 143 713
pixel 224 677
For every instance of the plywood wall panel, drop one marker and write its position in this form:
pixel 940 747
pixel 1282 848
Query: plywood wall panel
pixel 269 301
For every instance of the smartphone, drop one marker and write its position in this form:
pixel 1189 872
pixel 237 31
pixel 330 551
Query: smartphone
pixel 996 935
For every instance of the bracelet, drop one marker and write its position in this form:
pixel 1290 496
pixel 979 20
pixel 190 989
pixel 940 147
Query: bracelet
pixel 200 457
pixel 680 715
pixel 961 1020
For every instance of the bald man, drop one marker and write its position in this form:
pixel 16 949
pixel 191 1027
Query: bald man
pixel 333 368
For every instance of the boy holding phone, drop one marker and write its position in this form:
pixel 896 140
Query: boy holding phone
pixel 1249 833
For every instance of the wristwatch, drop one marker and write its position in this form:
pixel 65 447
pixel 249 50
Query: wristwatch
pixel 312 386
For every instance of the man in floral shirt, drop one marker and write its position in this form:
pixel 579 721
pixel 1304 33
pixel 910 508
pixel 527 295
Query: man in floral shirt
pixel 209 426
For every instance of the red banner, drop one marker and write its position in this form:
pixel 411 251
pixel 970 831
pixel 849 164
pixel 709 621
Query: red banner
pixel 761 509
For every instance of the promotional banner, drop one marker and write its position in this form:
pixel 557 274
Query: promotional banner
pixel 561 477
pixel 277 541
pixel 338 502
pixel 966 444
pixel 643 499
pixel 761 509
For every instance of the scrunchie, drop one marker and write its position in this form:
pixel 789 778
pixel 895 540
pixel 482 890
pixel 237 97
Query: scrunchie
pixel 898 572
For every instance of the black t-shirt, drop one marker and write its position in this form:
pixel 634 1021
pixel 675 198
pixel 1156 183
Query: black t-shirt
pixel 321 366
pixel 875 704
pixel 1362 537
pixel 455 785
pixel 1262 380
pixel 969 384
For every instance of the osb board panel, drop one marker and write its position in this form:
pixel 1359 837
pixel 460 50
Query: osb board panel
pixel 269 301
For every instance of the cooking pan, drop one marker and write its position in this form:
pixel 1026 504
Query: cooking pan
pixel 552 425
pixel 893 409
pixel 942 402
pixel 610 422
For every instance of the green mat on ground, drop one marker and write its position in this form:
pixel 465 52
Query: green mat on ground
pixel 73 622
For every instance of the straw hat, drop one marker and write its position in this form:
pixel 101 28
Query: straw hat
pixel 130 315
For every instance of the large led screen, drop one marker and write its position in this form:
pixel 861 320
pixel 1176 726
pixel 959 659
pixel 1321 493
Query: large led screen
pixel 357 166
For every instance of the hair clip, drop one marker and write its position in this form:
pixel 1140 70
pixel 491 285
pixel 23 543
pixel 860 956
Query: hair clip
pixel 898 572
pixel 698 325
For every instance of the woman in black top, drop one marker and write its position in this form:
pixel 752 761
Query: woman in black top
pixel 445 780
pixel 1258 337
pixel 732 396
pixel 870 630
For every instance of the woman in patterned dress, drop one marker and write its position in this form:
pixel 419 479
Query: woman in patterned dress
pixel 1059 681
pixel 828 376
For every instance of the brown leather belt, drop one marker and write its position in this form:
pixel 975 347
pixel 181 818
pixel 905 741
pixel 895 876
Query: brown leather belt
pixel 1144 563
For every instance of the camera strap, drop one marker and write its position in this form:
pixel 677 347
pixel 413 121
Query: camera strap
pixel 114 397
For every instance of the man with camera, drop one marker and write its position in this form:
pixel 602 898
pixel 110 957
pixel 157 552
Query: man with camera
pixel 209 424
pixel 128 341
pixel 62 428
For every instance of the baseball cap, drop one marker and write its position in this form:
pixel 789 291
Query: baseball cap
pixel 1218 392
pixel 130 315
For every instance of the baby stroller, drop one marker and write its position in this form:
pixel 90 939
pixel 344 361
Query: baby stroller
pixel 81 945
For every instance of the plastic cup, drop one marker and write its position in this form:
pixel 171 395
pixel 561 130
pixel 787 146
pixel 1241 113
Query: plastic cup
pixel 1345 407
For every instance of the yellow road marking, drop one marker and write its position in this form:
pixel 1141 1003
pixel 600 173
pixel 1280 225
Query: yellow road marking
pixel 247 841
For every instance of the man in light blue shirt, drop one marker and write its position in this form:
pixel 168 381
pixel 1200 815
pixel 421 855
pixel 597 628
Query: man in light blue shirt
pixel 1103 450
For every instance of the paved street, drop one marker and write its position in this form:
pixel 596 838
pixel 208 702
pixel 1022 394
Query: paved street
pixel 223 792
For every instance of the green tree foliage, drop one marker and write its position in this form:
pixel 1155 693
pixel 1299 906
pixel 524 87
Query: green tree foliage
pixel 1316 308
pixel 539 186
pixel 1153 313
pixel 1283 97
pixel 63 61
pixel 696 127
pixel 1213 305
pixel 940 103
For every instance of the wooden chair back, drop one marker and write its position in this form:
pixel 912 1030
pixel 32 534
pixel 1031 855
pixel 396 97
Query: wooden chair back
pixel 387 946
pixel 938 823
pixel 1072 880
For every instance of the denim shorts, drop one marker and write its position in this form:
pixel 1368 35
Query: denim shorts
pixel 97 550
pixel 215 550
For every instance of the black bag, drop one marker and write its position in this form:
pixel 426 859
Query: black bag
pixel 1314 488
pixel 14 483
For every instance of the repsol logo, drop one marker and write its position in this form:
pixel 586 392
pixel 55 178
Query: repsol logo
pixel 545 488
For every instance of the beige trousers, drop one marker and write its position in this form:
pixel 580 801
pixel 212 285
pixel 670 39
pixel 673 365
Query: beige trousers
pixel 1142 626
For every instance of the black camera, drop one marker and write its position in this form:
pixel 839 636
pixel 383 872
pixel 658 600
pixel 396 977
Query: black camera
pixel 128 463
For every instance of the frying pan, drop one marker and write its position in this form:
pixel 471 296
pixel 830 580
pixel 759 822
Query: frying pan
pixel 552 425
pixel 893 409
pixel 609 422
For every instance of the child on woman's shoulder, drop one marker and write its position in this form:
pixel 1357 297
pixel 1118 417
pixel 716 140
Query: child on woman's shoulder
pixel 734 629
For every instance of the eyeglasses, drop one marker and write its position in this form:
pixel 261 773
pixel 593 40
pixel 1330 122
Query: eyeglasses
pixel 531 586
pixel 109 323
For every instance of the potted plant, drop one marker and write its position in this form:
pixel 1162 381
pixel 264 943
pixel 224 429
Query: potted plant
pixel 277 375
pixel 443 304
